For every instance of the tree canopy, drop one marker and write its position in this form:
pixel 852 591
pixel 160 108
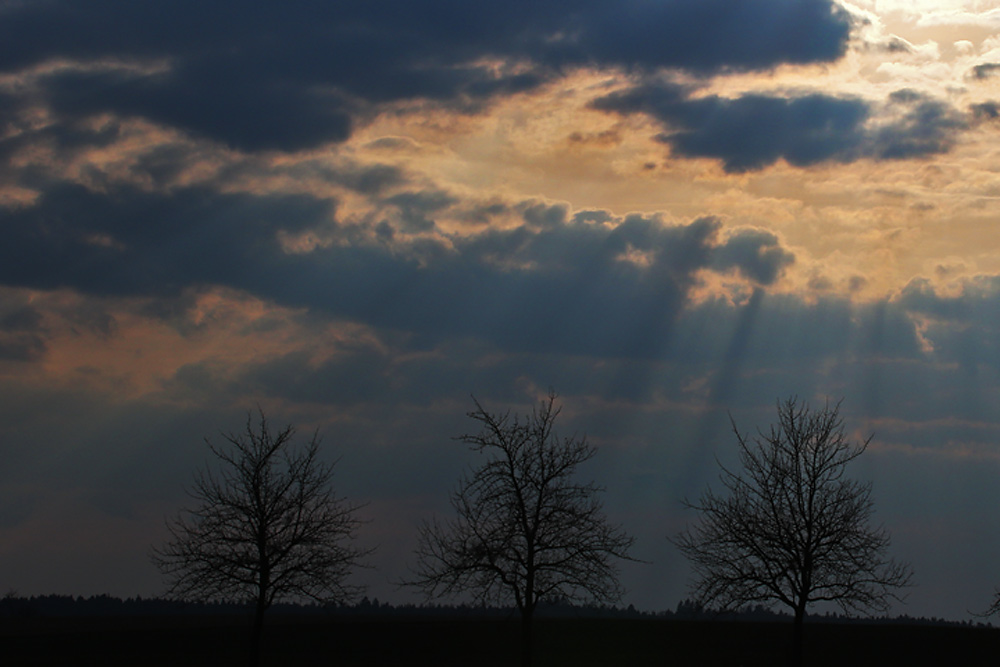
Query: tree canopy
pixel 265 525
pixel 525 529
pixel 791 527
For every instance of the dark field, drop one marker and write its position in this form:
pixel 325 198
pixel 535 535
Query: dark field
pixel 192 642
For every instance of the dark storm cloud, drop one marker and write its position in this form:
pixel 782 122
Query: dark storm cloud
pixel 21 318
pixel 418 208
pixel 757 253
pixel 134 242
pixel 289 76
pixel 985 111
pixel 919 296
pixel 961 327
pixel 710 35
pixel 553 283
pixel 556 281
pixel 925 126
pixel 754 131
pixel 225 103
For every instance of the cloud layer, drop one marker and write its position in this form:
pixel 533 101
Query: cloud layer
pixel 585 275
pixel 754 131
pixel 259 78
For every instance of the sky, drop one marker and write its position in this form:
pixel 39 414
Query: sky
pixel 358 215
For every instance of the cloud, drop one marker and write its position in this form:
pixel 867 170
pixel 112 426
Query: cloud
pixel 22 331
pixel 230 105
pixel 960 326
pixel 21 347
pixel 587 281
pixel 417 208
pixel 985 70
pixel 776 344
pixel 21 318
pixel 705 36
pixel 753 131
pixel 921 297
pixel 259 78
pixel 152 243
pixel 922 126
pixel 985 110
pixel 757 253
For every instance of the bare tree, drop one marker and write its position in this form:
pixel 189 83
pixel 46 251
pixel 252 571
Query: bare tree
pixel 993 608
pixel 265 526
pixel 793 529
pixel 525 530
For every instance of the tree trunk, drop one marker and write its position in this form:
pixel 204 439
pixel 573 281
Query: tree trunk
pixel 260 606
pixel 797 626
pixel 256 633
pixel 526 636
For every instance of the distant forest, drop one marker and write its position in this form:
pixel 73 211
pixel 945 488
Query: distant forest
pixel 13 606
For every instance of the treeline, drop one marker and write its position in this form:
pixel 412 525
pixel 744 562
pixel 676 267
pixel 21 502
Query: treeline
pixel 13 606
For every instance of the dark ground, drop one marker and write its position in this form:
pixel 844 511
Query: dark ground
pixel 215 641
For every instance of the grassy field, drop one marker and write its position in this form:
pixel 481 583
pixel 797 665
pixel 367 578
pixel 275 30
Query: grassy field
pixel 215 641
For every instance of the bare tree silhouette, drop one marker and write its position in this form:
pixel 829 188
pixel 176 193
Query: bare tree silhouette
pixel 525 530
pixel 792 528
pixel 994 608
pixel 265 525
